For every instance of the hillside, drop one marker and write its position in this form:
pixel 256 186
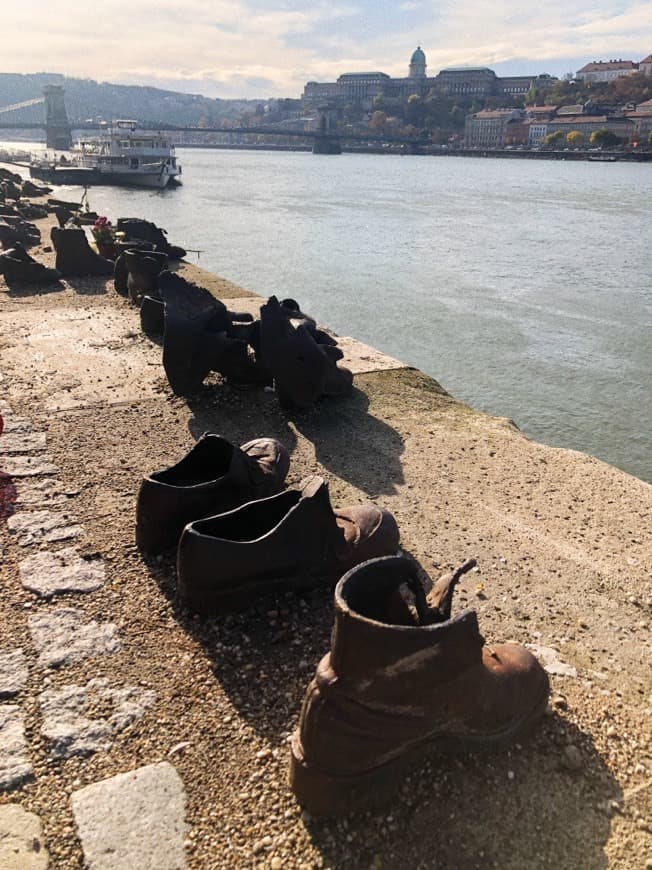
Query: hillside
pixel 86 98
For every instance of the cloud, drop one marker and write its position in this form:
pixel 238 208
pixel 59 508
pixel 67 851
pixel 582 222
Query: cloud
pixel 272 47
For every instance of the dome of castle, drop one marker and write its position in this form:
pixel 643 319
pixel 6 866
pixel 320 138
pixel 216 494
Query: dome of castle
pixel 418 56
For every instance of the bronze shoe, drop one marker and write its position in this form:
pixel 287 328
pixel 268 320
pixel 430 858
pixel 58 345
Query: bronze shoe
pixel 402 680
pixel 214 476
pixel 293 540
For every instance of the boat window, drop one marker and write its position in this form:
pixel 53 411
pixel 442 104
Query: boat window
pixel 124 143
pixel 134 163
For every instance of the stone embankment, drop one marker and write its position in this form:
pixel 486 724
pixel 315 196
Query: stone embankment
pixel 133 735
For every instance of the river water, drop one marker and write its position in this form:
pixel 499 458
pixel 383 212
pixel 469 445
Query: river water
pixel 523 287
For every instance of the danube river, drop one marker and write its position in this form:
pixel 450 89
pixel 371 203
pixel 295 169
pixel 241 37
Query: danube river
pixel 524 287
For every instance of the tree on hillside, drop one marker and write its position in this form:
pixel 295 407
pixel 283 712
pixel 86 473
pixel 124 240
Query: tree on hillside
pixel 575 137
pixel 416 110
pixel 603 138
pixel 378 121
pixel 635 88
pixel 649 137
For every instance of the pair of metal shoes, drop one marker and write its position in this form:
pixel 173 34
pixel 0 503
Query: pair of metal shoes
pixel 75 257
pixel 14 229
pixel 284 346
pixel 136 271
pixel 138 230
pixel 19 267
pixel 239 537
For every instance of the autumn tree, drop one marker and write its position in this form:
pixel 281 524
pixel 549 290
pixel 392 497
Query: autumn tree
pixel 378 121
pixel 603 138
pixel 575 138
pixel 554 138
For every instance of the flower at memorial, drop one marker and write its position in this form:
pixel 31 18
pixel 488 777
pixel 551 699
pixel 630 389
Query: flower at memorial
pixel 103 231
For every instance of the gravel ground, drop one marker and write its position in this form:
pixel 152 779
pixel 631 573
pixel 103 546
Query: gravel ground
pixel 563 549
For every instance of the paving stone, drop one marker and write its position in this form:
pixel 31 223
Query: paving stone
pixel 16 424
pixel 549 658
pixel 72 732
pixel 13 672
pixel 133 820
pixel 14 763
pixel 17 442
pixel 43 527
pixel 27 466
pixel 41 493
pixel 47 573
pixel 21 840
pixel 62 637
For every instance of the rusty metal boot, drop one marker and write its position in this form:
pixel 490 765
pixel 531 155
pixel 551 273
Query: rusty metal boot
pixel 402 680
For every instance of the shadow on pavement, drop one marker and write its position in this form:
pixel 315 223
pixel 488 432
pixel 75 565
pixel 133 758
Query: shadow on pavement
pixel 348 441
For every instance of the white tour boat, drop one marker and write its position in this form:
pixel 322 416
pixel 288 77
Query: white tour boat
pixel 122 155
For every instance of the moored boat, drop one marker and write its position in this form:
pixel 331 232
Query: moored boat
pixel 124 155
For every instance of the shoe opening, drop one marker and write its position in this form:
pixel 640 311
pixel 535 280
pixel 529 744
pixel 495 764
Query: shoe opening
pixel 389 590
pixel 209 459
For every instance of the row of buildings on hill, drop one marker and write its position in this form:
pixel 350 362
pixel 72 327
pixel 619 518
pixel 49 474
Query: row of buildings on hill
pixel 361 88
pixel 497 128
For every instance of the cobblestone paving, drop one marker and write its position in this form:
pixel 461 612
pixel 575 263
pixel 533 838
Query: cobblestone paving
pixel 129 820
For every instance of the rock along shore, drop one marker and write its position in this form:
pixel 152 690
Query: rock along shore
pixel 111 696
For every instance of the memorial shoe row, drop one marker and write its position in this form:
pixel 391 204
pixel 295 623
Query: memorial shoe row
pixel 283 345
pixel 404 677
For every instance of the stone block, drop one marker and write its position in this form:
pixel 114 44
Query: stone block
pixel 70 729
pixel 42 527
pixel 21 840
pixel 47 573
pixel 62 637
pixel 13 672
pixel 14 761
pixel 27 466
pixel 135 819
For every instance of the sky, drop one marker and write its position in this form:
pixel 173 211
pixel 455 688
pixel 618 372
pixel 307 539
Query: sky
pixel 270 48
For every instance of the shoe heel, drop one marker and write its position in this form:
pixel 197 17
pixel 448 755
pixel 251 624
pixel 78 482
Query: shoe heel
pixel 325 795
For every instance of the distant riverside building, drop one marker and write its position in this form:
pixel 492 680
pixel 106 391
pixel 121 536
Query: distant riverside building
pixel 497 128
pixel 489 128
pixel 622 127
pixel 641 118
pixel 645 66
pixel 363 87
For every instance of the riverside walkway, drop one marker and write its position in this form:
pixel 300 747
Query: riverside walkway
pixel 132 734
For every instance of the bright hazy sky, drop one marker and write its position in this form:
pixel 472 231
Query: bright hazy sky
pixel 264 48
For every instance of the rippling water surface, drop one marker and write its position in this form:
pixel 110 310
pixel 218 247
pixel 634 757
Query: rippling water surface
pixel 524 287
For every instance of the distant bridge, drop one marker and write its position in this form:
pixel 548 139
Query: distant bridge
pixel 326 138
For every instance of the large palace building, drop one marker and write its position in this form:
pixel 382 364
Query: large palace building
pixel 361 88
